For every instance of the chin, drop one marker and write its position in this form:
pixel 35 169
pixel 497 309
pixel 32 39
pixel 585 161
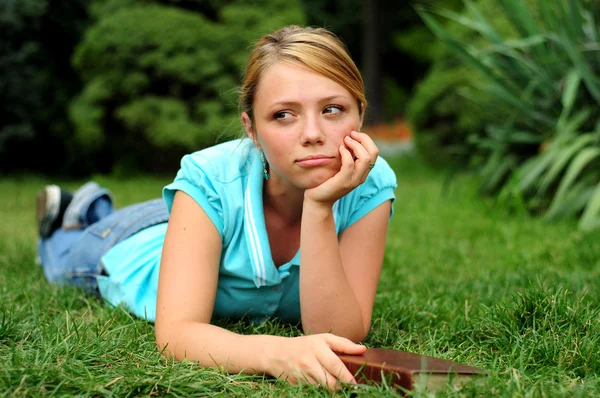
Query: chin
pixel 318 179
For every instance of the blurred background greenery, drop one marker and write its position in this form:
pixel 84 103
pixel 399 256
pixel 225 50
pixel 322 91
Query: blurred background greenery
pixel 510 88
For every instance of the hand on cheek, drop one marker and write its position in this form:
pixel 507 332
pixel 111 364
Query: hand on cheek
pixel 357 153
pixel 348 139
pixel 362 149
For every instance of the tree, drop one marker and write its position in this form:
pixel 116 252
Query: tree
pixel 372 60
pixel 36 80
pixel 162 80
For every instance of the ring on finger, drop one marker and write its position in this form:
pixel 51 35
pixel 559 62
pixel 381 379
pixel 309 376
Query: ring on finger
pixel 371 165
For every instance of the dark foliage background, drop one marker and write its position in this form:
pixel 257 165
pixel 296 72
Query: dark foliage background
pixel 128 86
pixel 37 81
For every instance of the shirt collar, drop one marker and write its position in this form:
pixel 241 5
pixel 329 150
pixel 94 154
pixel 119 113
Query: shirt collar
pixel 264 271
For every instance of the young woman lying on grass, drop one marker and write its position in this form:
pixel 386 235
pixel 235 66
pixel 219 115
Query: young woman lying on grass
pixel 288 223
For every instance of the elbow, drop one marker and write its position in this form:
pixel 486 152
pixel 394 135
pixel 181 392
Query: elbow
pixel 165 341
pixel 360 335
pixel 365 331
pixel 360 332
pixel 163 345
pixel 365 328
pixel 356 335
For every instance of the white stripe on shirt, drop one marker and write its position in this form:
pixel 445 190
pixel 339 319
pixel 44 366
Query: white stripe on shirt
pixel 335 212
pixel 254 241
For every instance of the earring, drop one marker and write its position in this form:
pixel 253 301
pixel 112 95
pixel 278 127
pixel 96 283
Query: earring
pixel 265 165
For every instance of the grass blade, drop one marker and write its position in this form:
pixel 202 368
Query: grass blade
pixel 576 19
pixel 478 26
pixel 572 82
pixel 520 17
pixel 591 81
pixel 547 15
pixel 590 218
pixel 574 201
pixel 590 30
pixel 575 124
pixel 533 169
pixel 501 83
pixel 518 50
pixel 561 160
pixel 457 47
pixel 518 104
pixel 496 171
pixel 577 165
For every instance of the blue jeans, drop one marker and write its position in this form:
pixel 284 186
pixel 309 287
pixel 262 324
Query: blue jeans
pixel 72 255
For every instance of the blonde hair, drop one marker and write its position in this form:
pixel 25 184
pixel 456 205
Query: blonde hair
pixel 314 48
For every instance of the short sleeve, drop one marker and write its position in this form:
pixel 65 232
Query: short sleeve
pixel 379 187
pixel 195 179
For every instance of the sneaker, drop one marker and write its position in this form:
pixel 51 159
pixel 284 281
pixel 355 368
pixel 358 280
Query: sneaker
pixel 51 204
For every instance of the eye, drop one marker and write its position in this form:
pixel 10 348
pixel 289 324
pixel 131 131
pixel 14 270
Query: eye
pixel 333 109
pixel 282 115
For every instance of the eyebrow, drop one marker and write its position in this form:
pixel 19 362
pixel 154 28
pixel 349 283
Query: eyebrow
pixel 291 103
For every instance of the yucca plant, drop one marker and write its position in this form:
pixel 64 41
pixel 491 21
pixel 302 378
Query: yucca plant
pixel 545 80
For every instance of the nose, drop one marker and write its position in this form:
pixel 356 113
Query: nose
pixel 312 131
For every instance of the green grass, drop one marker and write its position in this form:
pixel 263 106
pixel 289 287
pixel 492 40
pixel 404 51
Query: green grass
pixel 464 278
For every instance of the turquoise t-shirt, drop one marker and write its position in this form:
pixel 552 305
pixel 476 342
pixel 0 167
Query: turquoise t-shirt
pixel 226 180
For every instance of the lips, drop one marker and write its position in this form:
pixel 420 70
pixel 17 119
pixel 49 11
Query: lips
pixel 314 161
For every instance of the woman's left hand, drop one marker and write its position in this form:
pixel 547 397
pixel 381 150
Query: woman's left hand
pixel 355 168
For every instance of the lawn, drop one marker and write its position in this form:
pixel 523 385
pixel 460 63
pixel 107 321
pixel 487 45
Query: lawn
pixel 464 278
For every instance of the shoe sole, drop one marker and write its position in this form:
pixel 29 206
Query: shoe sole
pixel 48 207
pixel 71 218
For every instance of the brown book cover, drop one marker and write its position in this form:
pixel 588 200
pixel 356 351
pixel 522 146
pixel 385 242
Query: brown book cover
pixel 407 370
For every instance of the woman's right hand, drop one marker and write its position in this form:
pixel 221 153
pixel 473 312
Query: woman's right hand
pixel 357 154
pixel 312 359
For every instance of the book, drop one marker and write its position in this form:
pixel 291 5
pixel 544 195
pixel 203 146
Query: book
pixel 407 370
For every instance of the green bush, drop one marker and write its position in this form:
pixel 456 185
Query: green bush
pixel 444 110
pixel 545 153
pixel 442 116
pixel 434 107
pixel 159 77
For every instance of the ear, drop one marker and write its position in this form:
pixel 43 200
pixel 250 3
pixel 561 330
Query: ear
pixel 362 116
pixel 247 122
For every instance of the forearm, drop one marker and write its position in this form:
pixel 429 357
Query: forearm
pixel 213 346
pixel 327 301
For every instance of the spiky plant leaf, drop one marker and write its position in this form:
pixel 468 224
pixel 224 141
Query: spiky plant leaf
pixel 530 172
pixel 583 159
pixel 571 86
pixel 546 84
pixel 590 219
pixel 560 160
pixel 576 56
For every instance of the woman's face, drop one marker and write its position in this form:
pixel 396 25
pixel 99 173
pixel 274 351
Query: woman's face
pixel 300 121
